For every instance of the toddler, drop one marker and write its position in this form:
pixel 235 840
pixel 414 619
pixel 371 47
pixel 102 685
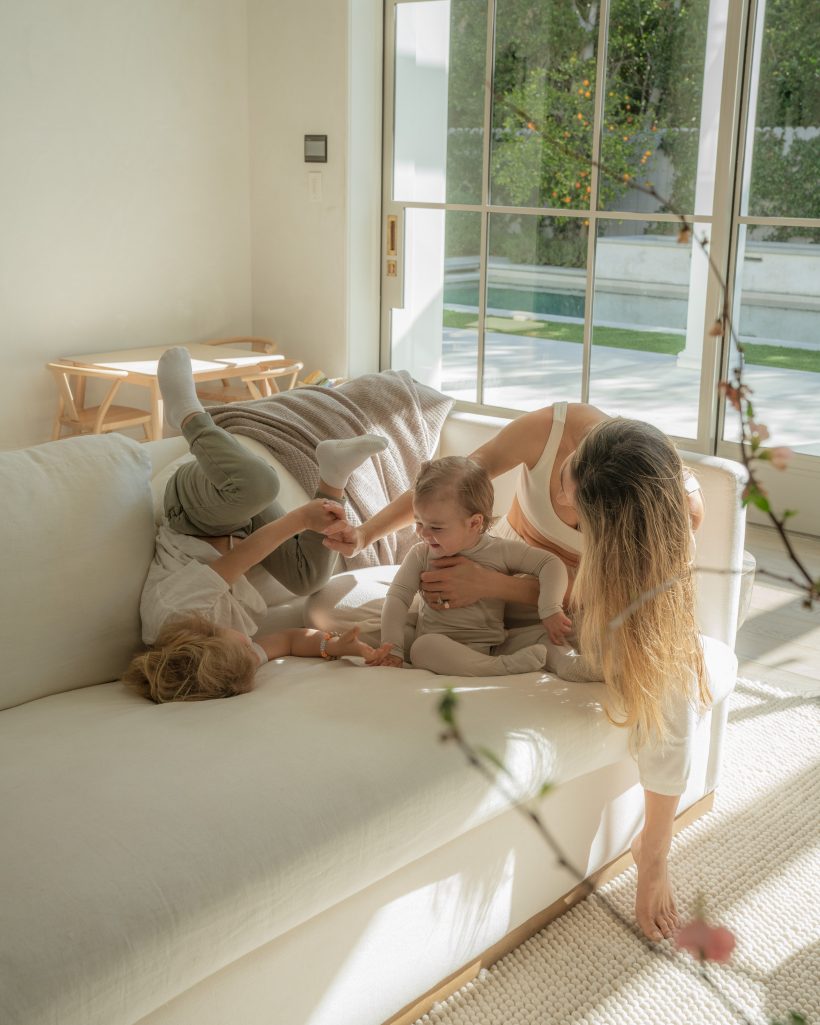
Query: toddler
pixel 452 503
pixel 199 610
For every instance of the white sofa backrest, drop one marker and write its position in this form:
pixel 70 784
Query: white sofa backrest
pixel 78 540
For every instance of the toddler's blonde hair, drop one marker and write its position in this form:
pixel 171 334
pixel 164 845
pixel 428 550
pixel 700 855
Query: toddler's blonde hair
pixel 466 481
pixel 192 659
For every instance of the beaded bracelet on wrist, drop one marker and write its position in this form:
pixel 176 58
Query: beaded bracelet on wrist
pixel 327 636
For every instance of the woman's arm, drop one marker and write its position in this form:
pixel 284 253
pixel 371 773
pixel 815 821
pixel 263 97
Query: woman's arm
pixel 348 540
pixel 315 515
pixel 522 440
pixel 463 582
pixel 655 907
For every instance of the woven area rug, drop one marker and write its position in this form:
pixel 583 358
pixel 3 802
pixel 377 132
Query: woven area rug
pixel 756 862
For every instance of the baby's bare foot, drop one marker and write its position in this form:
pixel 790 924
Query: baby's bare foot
pixel 655 907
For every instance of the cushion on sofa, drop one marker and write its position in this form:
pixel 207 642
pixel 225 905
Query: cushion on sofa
pixel 70 589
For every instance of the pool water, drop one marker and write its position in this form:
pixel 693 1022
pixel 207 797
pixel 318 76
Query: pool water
pixel 526 301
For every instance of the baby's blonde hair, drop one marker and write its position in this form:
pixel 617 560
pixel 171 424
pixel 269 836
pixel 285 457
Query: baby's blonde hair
pixel 464 479
pixel 192 659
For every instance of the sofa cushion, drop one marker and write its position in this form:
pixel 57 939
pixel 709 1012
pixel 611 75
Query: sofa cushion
pixel 79 537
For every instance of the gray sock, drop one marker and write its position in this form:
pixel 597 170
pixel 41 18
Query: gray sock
pixel 177 386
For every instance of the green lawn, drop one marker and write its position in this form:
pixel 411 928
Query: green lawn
pixel 640 341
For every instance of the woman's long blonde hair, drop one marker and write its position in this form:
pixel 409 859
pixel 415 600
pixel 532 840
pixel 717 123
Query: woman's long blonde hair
pixel 635 579
pixel 192 659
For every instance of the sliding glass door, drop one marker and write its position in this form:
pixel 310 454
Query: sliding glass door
pixel 540 160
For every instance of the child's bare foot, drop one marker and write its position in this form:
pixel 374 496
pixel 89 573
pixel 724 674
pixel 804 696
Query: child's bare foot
pixel 654 901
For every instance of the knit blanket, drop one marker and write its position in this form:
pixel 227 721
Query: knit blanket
pixel 291 424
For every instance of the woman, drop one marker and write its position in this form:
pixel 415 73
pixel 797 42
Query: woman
pixel 622 485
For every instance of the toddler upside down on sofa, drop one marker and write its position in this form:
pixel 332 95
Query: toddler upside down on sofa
pixel 221 519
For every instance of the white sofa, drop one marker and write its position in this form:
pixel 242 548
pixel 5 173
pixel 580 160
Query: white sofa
pixel 306 853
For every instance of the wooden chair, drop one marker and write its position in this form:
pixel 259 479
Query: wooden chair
pixel 256 385
pixel 77 418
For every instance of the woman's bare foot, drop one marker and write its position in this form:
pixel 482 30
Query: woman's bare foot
pixel 654 901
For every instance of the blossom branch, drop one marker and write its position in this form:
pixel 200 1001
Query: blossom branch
pixel 752 433
pixel 452 733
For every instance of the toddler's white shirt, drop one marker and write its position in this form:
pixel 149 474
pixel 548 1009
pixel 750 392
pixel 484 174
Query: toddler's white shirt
pixel 181 581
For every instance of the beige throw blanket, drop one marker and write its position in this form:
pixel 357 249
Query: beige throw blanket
pixel 410 415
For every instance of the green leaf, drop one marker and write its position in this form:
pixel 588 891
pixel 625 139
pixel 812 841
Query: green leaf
pixel 545 788
pixel 756 497
pixel 447 706
pixel 754 443
pixel 788 513
pixel 750 413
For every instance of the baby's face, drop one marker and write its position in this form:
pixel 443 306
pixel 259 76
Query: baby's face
pixel 444 527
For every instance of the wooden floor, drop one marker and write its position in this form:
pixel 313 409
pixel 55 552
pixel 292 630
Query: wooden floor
pixel 779 642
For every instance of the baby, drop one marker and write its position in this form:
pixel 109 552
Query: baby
pixel 452 503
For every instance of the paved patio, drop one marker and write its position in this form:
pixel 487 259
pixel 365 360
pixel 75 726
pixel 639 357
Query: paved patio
pixel 526 373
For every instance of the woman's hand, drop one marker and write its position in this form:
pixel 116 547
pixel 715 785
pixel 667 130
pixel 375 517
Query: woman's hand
pixel 343 537
pixel 455 582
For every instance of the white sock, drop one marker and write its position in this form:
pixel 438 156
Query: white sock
pixel 338 459
pixel 177 386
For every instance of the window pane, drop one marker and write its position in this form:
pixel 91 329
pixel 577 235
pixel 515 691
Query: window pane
pixel 439 101
pixel 420 138
pixel 785 158
pixel 534 326
pixel 465 133
pixel 459 372
pixel 778 282
pixel 435 335
pixel 652 106
pixel 648 316
pixel 543 89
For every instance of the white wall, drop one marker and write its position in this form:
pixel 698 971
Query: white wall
pixel 124 185
pixel 153 186
pixel 314 271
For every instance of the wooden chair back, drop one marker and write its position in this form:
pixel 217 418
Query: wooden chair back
pixel 242 387
pixel 76 417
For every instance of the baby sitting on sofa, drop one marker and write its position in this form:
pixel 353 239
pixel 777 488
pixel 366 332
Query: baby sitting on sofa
pixel 453 502
pixel 221 519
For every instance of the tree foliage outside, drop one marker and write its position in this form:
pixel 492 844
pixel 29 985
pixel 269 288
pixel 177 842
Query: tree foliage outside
pixel 543 91
pixel 786 161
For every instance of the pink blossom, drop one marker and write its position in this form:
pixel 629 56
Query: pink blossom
pixel 780 457
pixel 706 942
pixel 732 394
pixel 761 430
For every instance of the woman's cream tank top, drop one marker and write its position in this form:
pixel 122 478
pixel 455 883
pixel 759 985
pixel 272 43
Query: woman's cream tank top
pixel 532 516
